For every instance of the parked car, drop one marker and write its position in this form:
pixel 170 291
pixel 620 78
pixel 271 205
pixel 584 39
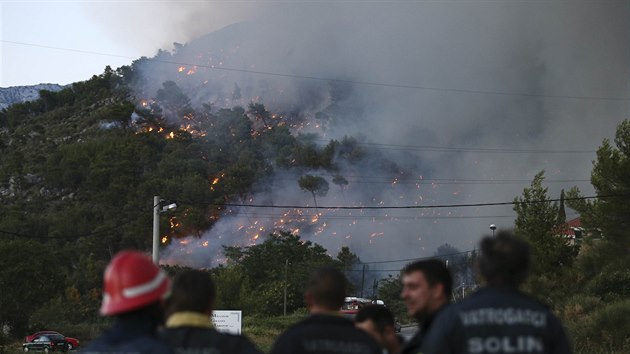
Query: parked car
pixel 71 343
pixel 47 343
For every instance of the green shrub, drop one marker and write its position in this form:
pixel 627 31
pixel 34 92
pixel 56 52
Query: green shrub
pixel 604 330
pixel 611 284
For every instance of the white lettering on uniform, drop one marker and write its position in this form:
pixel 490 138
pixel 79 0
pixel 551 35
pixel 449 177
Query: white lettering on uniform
pixel 475 345
pixel 492 345
pixel 499 316
pixel 521 344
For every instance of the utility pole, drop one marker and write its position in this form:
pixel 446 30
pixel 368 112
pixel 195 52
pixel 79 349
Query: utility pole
pixel 375 290
pixel 156 229
pixel 362 280
pixel 286 268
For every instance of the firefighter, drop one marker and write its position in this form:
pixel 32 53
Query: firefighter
pixel 189 327
pixel 133 292
pixel 325 331
pixel 427 287
pixel 498 318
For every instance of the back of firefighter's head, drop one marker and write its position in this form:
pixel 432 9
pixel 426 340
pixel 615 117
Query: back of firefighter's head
pixel 326 289
pixel 132 283
pixel 504 260
pixel 192 291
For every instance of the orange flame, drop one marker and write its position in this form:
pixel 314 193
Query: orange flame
pixel 164 239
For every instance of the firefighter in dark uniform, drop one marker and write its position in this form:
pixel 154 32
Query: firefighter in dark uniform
pixel 189 328
pixel 325 330
pixel 427 288
pixel 133 293
pixel 498 318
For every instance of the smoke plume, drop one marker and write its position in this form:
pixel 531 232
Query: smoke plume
pixel 506 89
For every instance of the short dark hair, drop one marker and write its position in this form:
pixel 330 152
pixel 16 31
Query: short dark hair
pixel 327 287
pixel 504 260
pixel 380 315
pixel 435 271
pixel 192 290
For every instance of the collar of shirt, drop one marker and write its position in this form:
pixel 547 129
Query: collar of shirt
pixel 189 319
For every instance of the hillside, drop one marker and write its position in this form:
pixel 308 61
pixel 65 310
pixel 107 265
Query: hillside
pixel 79 169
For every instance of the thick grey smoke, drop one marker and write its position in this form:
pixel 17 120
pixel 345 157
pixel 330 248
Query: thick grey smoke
pixel 504 76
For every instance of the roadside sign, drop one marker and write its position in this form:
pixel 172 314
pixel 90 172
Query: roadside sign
pixel 228 321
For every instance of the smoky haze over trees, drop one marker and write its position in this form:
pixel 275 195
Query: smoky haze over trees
pixel 502 89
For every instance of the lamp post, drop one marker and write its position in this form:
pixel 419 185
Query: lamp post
pixel 493 227
pixel 156 229
pixel 157 209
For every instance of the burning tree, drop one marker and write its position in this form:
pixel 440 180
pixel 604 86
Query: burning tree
pixel 318 186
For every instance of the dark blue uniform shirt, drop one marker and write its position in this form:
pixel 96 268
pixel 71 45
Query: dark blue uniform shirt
pixel 129 335
pixel 325 334
pixel 192 333
pixel 414 345
pixel 496 320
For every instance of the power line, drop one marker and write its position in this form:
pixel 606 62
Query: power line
pixel 467 149
pixel 409 179
pixel 428 181
pixel 399 207
pixel 418 258
pixel 297 218
pixel 456 179
pixel 316 78
pixel 375 217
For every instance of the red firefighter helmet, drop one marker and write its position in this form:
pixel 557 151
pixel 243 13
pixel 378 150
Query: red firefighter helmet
pixel 132 281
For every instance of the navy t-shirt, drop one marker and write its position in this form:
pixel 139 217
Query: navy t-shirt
pixel 496 320
pixel 325 334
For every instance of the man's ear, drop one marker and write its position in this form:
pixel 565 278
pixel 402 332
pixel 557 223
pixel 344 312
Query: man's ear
pixel 438 291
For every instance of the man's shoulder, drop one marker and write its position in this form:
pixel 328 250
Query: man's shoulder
pixel 325 333
pixel 323 321
pixel 197 336
pixel 500 298
pixel 414 345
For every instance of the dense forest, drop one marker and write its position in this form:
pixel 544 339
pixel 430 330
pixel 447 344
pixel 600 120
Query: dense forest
pixel 79 169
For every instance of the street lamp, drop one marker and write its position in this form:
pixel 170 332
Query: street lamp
pixel 157 209
pixel 493 227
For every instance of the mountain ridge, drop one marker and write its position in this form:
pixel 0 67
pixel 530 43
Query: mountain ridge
pixel 18 94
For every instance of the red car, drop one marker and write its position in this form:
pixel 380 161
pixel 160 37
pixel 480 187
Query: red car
pixel 71 342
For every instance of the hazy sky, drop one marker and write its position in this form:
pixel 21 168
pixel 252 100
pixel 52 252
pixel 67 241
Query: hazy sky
pixel 46 41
